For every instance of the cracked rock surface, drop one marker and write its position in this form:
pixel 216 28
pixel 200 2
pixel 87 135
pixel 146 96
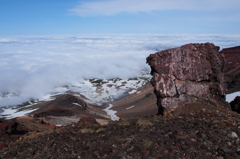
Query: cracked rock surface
pixel 190 73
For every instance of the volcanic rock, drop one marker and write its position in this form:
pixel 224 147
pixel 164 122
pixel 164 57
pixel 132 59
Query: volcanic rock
pixel 232 68
pixel 8 126
pixel 2 145
pixel 235 104
pixel 190 73
pixel 10 130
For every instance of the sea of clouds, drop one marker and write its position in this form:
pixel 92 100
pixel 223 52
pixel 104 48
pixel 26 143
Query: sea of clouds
pixel 33 66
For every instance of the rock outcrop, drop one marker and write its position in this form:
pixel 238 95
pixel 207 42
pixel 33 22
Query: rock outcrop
pixel 235 104
pixel 232 68
pixel 10 130
pixel 190 73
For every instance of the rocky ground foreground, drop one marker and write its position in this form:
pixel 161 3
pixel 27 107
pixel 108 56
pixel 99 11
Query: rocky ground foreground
pixel 194 131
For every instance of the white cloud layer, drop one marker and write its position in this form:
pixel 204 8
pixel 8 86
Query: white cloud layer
pixel 32 67
pixel 112 7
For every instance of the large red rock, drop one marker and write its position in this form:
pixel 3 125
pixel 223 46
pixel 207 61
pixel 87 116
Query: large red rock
pixel 190 73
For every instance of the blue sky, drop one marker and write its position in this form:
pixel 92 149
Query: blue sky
pixel 37 17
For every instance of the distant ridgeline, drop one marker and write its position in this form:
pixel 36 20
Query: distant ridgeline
pixel 231 50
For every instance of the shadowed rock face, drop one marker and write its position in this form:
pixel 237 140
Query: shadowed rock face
pixel 235 104
pixel 10 130
pixel 232 68
pixel 190 73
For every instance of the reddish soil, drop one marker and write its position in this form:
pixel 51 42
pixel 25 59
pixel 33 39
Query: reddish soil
pixel 144 103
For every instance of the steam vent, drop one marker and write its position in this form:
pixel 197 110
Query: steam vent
pixel 186 74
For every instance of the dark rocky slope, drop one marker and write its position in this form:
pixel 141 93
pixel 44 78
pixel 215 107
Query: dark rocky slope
pixel 232 68
pixel 194 131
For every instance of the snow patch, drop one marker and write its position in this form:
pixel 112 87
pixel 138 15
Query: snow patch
pixel 111 113
pixel 133 91
pixel 12 113
pixel 77 104
pixel 130 107
pixel 231 97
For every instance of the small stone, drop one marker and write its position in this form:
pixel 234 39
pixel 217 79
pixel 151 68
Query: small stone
pixel 178 144
pixel 232 135
pixel 193 140
pixel 216 146
pixel 215 138
pixel 226 149
pixel 185 147
pixel 236 156
pixel 238 149
pixel 2 145
pixel 130 149
pixel 209 154
pixel 146 153
pixel 203 135
pixel 227 156
pixel 124 154
pixel 220 157
pixel 207 144
pixel 229 143
pixel 105 150
pixel 237 141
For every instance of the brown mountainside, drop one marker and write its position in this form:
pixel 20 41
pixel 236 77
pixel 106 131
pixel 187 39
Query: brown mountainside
pixel 232 68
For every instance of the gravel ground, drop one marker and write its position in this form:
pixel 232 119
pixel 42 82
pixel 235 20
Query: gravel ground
pixel 200 133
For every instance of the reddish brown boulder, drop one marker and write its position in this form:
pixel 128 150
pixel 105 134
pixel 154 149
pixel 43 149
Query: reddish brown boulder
pixel 190 73
pixel 232 68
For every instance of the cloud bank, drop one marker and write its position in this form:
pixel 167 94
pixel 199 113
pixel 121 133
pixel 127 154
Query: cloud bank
pixel 33 66
pixel 112 7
